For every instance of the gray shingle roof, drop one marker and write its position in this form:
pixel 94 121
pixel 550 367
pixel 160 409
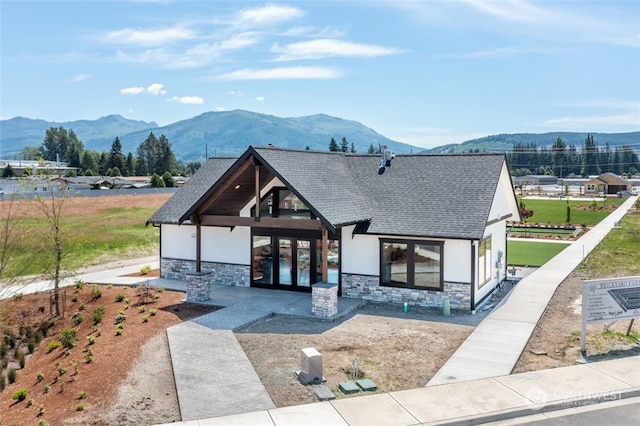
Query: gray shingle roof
pixel 445 196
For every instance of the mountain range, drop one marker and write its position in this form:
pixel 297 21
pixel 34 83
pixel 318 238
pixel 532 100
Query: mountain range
pixel 228 133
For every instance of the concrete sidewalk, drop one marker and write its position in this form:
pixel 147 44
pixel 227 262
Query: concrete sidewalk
pixel 494 347
pixel 473 402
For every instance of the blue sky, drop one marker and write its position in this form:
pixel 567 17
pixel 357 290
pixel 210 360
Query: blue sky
pixel 421 72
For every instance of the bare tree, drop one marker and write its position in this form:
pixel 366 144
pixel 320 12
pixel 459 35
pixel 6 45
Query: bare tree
pixel 51 206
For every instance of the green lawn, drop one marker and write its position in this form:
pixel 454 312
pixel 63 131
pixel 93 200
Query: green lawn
pixel 534 253
pixel 582 212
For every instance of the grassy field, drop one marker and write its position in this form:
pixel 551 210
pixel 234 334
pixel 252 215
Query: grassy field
pixel 93 229
pixel 531 253
pixel 619 247
pixel 582 212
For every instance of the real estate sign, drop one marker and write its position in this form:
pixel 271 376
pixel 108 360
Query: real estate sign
pixel 609 299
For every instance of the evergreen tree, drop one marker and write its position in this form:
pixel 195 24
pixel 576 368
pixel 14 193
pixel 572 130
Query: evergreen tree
pixel 590 157
pixel 60 145
pixel 352 149
pixel 169 182
pixel 116 158
pixel 155 156
pixel 157 181
pixel 344 145
pixel 88 162
pixel 559 157
pixel 130 166
pixel 333 146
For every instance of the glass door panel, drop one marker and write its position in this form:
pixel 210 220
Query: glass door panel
pixel 262 263
pixel 303 255
pixel 285 260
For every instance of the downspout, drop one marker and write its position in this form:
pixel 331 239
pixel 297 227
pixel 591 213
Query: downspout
pixel 473 275
pixel 325 254
pixel 196 220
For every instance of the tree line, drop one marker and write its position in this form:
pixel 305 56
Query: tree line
pixel 153 156
pixel 563 161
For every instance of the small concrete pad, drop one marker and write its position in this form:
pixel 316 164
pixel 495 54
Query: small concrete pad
pixel 373 410
pixel 624 369
pixel 348 387
pixel 488 395
pixel 317 414
pixel 367 385
pixel 434 403
pixel 324 393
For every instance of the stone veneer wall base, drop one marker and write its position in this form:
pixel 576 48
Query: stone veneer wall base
pixel 221 273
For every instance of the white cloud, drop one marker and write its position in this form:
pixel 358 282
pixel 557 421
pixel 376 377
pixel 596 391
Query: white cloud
pixel 323 48
pixel 132 90
pixel 271 13
pixel 220 108
pixel 190 100
pixel 284 73
pixel 587 122
pixel 239 41
pixel 156 89
pixel 77 78
pixel 236 93
pixel 149 37
pixel 260 98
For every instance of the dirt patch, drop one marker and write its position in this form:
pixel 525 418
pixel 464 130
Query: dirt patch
pixel 396 351
pixel 105 378
pixel 556 339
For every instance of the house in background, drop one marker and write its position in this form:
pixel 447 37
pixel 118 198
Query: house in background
pixel 430 227
pixel 608 184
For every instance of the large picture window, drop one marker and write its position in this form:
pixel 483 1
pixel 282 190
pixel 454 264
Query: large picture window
pixel 484 262
pixel 415 264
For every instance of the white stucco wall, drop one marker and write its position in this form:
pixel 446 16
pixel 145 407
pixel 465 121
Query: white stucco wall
pixel 227 245
pixel 178 242
pixel 504 203
pixel 498 246
pixel 361 255
pixel 218 244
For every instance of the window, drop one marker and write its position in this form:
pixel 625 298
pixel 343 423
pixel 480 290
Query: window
pixel 280 202
pixel 484 261
pixel 415 264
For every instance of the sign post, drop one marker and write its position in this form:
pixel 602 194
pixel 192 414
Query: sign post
pixel 609 299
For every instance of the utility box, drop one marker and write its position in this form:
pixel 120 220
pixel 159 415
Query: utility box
pixel 311 367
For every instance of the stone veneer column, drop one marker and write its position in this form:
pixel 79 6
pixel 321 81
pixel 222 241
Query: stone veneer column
pixel 198 286
pixel 324 299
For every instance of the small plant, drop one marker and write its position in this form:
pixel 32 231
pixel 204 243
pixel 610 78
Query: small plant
pixel 61 387
pixel 91 340
pixel 79 407
pixel 152 312
pixel 29 402
pixel 77 318
pixel 160 289
pixel 142 309
pixel 40 410
pixel 12 375
pixel 2 382
pixel 83 395
pixel 120 318
pixel 41 308
pixel 82 307
pixel 79 285
pixel 46 389
pixel 68 337
pixel 19 395
pixel 145 270
pixel 53 345
pixel 43 423
pixel 98 313
pixel 88 358
pixel 96 293
pixel 17 296
pixel 145 318
pixel 21 360
pixel 61 370
pixel 74 364
pixel 118 331
pixel 120 297
pixel 74 299
pixel 40 376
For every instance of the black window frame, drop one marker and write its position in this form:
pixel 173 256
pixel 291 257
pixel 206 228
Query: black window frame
pixel 411 263
pixel 488 266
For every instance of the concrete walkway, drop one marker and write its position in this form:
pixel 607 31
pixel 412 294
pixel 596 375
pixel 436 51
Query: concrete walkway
pixel 480 401
pixel 213 375
pixel 494 347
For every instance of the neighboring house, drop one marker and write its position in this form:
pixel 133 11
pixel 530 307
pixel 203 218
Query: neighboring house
pixel 607 183
pixel 430 227
pixel 535 180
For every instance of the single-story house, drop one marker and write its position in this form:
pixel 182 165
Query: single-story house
pixel 429 227
pixel 607 183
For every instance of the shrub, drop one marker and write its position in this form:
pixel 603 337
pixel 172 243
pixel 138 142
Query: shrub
pixel 21 360
pixel 120 318
pixel 145 318
pixel 152 312
pixel 88 358
pixel 118 331
pixel 3 349
pixel 46 388
pixel 45 326
pixel 120 297
pixel 17 296
pixel 83 395
pixel 98 313
pixel 79 407
pixel 91 340
pixel 40 410
pixel 77 318
pixel 40 376
pixel 74 299
pixel 82 307
pixel 142 308
pixel 19 395
pixel 2 382
pixel 29 402
pixel 12 375
pixel 96 293
pixel 68 337
pixel 145 270
pixel 79 285
pixel 43 423
pixel 31 346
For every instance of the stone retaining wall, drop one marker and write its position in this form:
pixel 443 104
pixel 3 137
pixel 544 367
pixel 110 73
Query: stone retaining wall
pixel 368 287
pixel 324 299
pixel 221 273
